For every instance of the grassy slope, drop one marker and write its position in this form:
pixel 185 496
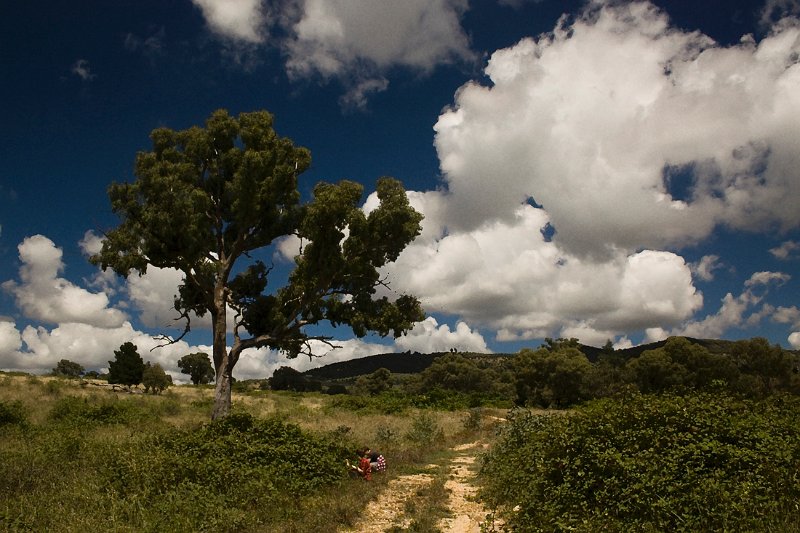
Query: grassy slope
pixel 84 474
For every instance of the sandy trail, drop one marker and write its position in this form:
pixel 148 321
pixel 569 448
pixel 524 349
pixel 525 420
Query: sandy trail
pixel 466 514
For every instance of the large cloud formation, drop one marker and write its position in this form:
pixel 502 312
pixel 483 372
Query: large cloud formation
pixel 591 151
pixel 356 42
pixel 629 132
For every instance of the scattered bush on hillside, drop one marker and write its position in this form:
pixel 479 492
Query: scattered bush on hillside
pixel 765 368
pixel 287 378
pixel 650 463
pixel 375 383
pixel 73 410
pixel 457 373
pixel 336 388
pixel 424 431
pixel 12 414
pixel 68 369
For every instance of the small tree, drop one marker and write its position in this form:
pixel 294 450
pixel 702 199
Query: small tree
pixel 205 198
pixel 68 369
pixel 375 383
pixel 154 377
pixel 287 378
pixel 127 367
pixel 555 375
pixel 198 366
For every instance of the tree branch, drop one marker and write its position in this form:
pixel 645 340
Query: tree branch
pixel 169 340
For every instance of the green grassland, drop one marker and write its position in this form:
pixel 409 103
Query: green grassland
pixel 77 458
pixel 681 437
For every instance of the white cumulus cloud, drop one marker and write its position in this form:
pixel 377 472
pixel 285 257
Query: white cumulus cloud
pixel 704 269
pixel 358 41
pixel 41 294
pixel 745 310
pixel 333 36
pixel 631 133
pixel 428 336
pixel 509 277
pixel 237 20
pixel 794 340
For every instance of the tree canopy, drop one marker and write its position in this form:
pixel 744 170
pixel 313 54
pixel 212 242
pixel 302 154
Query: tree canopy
pixel 154 378
pixel 127 367
pixel 69 369
pixel 198 366
pixel 204 198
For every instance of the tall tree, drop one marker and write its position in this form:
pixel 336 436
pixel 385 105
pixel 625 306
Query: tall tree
pixel 198 366
pixel 204 198
pixel 127 367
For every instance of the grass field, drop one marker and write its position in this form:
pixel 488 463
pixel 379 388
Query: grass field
pixel 76 457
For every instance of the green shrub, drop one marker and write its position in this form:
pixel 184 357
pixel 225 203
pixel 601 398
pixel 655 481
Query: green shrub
pixel 650 463
pixel 424 430
pixel 389 402
pixel 71 409
pixel 473 419
pixel 12 413
pixel 53 388
pixel 226 474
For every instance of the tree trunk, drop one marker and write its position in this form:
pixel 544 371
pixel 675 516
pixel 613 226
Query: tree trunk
pixel 222 394
pixel 222 361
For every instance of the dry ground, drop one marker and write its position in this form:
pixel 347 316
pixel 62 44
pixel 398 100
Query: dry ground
pixel 465 514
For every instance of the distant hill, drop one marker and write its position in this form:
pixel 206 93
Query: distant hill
pixel 413 362
pixel 397 363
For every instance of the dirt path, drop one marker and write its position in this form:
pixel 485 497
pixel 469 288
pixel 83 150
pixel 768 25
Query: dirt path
pixel 466 515
pixel 389 513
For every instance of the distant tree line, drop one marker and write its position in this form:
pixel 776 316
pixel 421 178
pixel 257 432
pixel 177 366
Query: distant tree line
pixel 128 368
pixel 558 374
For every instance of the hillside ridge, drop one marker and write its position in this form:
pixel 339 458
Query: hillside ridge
pixel 415 362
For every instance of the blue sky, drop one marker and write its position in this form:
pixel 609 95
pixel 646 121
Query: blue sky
pixel 599 170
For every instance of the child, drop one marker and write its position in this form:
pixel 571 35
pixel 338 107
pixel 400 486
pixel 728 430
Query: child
pixel 377 461
pixel 363 469
pixel 364 466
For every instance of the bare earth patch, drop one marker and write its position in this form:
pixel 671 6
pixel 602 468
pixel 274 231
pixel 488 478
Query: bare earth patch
pixel 466 514
pixel 389 509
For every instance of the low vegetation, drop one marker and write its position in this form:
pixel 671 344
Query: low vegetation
pixel 78 458
pixel 677 437
pixel 694 462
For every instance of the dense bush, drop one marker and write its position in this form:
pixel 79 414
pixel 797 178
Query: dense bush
pixel 700 462
pixel 12 413
pixel 227 469
pixel 551 377
pixel 375 383
pixel 74 410
pixel 396 401
pixel 155 379
pixel 467 375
